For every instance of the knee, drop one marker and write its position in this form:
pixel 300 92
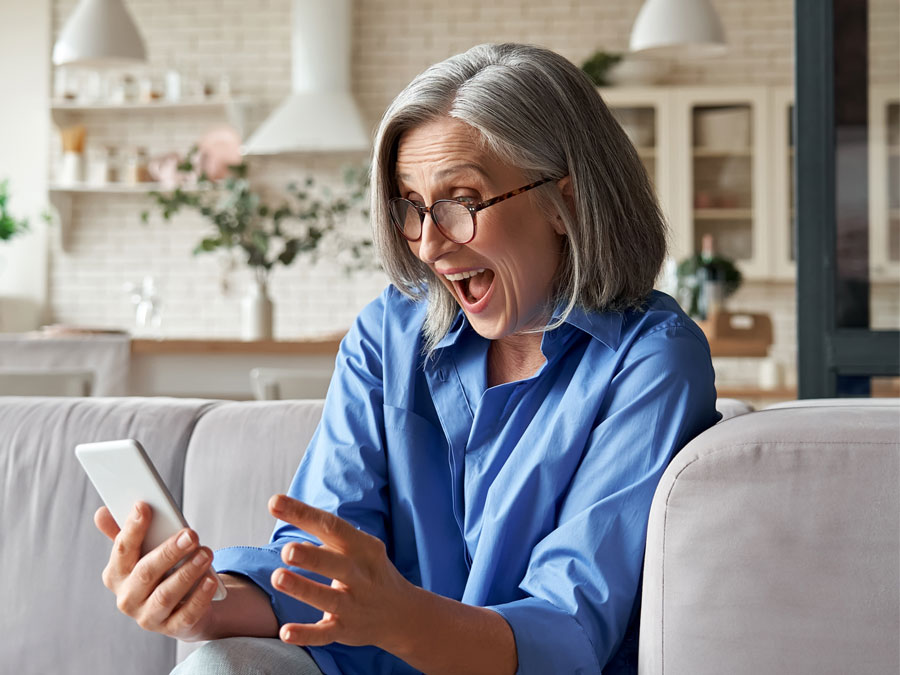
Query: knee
pixel 229 656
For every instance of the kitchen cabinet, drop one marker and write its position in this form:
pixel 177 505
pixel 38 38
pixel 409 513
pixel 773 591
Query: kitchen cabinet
pixel 710 152
pixel 645 115
pixel 722 160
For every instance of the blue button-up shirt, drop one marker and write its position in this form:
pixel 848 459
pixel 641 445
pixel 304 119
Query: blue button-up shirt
pixel 530 498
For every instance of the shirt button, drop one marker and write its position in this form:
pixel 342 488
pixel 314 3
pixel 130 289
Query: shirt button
pixel 441 375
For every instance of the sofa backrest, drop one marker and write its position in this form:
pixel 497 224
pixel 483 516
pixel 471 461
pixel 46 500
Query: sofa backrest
pixel 240 455
pixel 57 616
pixel 773 546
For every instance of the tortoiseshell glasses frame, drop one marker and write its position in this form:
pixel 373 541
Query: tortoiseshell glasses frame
pixel 455 214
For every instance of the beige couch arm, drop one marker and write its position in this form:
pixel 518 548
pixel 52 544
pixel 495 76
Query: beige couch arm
pixel 774 547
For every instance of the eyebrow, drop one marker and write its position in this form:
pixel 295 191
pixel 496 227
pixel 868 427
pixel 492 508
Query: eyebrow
pixel 456 168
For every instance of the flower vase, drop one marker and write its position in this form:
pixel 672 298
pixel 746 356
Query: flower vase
pixel 256 311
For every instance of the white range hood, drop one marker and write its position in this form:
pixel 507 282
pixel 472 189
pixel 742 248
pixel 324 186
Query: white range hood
pixel 320 115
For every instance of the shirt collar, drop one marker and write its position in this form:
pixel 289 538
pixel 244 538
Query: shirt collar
pixel 603 326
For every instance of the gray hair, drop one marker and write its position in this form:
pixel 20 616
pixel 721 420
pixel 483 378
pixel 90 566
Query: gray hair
pixel 538 112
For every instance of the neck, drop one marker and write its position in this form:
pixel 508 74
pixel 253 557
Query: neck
pixel 515 357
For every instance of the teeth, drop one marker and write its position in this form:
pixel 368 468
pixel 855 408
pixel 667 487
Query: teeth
pixel 463 275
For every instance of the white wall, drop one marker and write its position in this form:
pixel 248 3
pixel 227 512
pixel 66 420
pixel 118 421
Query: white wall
pixel 24 130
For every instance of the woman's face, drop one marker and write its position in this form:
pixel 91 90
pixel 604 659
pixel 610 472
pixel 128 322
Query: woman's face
pixel 516 248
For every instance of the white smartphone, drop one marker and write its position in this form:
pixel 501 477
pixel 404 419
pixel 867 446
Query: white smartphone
pixel 123 474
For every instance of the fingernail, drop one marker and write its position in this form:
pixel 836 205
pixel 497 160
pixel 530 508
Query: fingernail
pixel 201 559
pixel 137 512
pixel 286 634
pixel 208 584
pixel 184 541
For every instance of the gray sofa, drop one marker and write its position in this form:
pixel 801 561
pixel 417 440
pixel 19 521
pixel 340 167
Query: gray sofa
pixel 773 541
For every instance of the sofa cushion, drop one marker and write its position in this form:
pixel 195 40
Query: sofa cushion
pixel 773 546
pixel 239 456
pixel 57 616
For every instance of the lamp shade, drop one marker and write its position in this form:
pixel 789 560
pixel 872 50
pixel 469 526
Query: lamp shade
pixel 99 33
pixel 688 28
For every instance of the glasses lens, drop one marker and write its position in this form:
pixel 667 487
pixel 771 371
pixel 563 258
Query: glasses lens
pixel 406 218
pixel 454 219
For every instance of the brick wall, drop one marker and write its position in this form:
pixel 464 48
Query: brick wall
pixel 392 41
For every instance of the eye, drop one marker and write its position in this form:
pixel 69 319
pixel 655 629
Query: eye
pixel 465 199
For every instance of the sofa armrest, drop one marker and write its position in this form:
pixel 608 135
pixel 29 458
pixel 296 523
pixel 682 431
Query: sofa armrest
pixel 773 546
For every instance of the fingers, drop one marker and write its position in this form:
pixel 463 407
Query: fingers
pixel 150 569
pixel 126 550
pixel 326 526
pixel 106 523
pixel 320 596
pixel 317 559
pixel 194 608
pixel 310 634
pixel 174 590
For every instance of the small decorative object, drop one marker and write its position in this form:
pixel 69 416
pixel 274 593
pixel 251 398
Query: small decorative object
pixel 173 86
pixel 71 169
pixel 164 170
pixel 256 309
pixel 598 64
pixel 705 280
pixel 147 306
pixel 263 235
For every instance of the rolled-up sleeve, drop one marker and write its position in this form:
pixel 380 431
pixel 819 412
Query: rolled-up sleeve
pixel 343 470
pixel 583 577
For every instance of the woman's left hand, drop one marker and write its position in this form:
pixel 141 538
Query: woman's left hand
pixel 367 593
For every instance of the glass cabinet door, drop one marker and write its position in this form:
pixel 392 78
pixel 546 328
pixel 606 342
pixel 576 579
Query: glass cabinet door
pixel 722 169
pixel 639 124
pixel 782 200
pixel 724 175
pixel 643 113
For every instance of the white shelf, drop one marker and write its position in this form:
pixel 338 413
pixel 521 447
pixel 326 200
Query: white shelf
pixel 723 214
pixel 722 152
pixel 234 109
pixel 109 188
pixel 206 104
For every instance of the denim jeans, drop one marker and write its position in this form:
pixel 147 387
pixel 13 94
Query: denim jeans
pixel 248 656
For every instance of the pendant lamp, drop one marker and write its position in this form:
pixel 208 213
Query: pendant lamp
pixel 678 28
pixel 99 33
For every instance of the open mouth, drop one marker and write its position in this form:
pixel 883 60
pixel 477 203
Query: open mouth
pixel 472 287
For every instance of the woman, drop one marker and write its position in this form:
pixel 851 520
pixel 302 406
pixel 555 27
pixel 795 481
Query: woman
pixel 479 486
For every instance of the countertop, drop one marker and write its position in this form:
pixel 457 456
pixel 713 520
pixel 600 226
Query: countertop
pixel 325 346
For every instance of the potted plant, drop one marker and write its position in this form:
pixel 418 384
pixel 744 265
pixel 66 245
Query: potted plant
pixel 263 235
pixel 706 280
pixel 598 65
pixel 10 226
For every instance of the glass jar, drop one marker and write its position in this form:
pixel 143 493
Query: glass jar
pixel 113 165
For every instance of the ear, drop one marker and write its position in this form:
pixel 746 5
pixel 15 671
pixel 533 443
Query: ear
pixel 568 194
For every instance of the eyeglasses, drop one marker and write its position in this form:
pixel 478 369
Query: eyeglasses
pixel 454 219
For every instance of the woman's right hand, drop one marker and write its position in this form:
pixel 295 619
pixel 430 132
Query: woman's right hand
pixel 177 604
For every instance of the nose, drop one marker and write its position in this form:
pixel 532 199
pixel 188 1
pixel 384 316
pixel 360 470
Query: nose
pixel 433 245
